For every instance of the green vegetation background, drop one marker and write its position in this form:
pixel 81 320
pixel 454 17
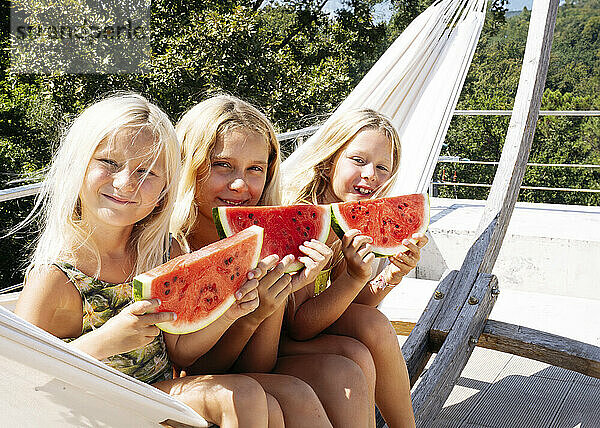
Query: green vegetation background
pixel 298 62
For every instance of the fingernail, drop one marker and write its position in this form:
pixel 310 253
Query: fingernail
pixel 238 295
pixel 405 242
pixel 307 242
pixel 158 301
pixel 250 275
pixel 174 316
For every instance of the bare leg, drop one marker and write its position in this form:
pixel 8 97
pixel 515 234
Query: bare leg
pixel 392 389
pixel 300 405
pixel 334 344
pixel 339 383
pixel 275 412
pixel 230 401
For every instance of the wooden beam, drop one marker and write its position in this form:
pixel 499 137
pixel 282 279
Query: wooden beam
pixel 505 189
pixel 416 348
pixel 436 384
pixel 541 346
pixel 529 343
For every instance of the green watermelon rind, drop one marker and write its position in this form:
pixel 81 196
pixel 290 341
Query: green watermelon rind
pixel 223 229
pixel 340 228
pixel 142 288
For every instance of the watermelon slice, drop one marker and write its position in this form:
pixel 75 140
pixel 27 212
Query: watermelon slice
pixel 387 220
pixel 286 227
pixel 199 287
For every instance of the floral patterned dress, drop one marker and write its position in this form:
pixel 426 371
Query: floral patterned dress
pixel 102 301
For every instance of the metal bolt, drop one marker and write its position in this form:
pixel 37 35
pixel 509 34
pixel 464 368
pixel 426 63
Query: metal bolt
pixel 438 295
pixel 473 340
pixel 473 300
pixel 495 290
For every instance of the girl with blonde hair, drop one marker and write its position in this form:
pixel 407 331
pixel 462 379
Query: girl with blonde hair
pixel 230 158
pixel 354 157
pixel 106 205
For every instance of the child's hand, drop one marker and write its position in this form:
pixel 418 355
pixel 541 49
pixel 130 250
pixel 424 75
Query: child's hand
pixel 317 256
pixel 358 255
pixel 246 300
pixel 402 263
pixel 133 327
pixel 274 285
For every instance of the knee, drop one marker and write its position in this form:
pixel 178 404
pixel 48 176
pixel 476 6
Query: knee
pixel 301 395
pixel 342 372
pixel 375 329
pixel 243 394
pixel 359 353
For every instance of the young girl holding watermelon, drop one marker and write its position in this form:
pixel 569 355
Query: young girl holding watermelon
pixel 107 203
pixel 230 158
pixel 355 157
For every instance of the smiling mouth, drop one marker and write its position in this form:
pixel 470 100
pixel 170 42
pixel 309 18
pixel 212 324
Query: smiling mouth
pixel 363 191
pixel 117 200
pixel 233 203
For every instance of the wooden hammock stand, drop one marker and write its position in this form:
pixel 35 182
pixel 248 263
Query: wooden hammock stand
pixel 456 318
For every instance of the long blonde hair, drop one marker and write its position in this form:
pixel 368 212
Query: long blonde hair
pixel 305 180
pixel 198 131
pixel 63 231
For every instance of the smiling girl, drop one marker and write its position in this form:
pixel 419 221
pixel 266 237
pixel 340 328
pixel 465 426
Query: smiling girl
pixel 354 158
pixel 231 158
pixel 106 206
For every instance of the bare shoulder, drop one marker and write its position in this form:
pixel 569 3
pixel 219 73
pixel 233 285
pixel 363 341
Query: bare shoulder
pixel 49 299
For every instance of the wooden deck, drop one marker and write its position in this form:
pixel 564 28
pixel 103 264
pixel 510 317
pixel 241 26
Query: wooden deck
pixel 498 390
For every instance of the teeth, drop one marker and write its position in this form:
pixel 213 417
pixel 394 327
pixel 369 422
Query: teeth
pixel 364 191
pixel 233 202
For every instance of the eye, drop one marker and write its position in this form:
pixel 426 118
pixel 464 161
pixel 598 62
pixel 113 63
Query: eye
pixel 144 171
pixel 256 168
pixel 383 168
pixel 109 162
pixel 358 160
pixel 221 164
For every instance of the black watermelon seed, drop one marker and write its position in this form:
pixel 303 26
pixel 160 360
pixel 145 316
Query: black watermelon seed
pixel 237 274
pixel 174 278
pixel 353 216
pixel 255 222
pixel 167 291
pixel 230 259
pixel 294 219
pixel 313 215
pixel 299 212
pixel 232 276
pixel 396 226
pixel 167 283
pixel 250 216
pixel 405 204
pixel 305 234
pixel 307 227
pixel 402 214
pixel 384 223
pixel 226 262
pixel 367 212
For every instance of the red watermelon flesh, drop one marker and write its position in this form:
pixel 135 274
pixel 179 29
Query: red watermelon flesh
pixel 387 220
pixel 199 287
pixel 286 227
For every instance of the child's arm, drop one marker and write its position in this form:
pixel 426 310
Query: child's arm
pixel 313 315
pixel 50 301
pixel 400 265
pixel 260 354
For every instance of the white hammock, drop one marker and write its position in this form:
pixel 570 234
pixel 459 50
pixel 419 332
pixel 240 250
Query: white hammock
pixel 416 82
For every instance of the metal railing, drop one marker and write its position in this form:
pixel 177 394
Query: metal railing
pixel 300 134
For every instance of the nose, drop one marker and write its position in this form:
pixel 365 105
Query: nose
pixel 238 185
pixel 124 180
pixel 368 172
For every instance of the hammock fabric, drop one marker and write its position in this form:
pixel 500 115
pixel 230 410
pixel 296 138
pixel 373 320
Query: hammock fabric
pixel 416 83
